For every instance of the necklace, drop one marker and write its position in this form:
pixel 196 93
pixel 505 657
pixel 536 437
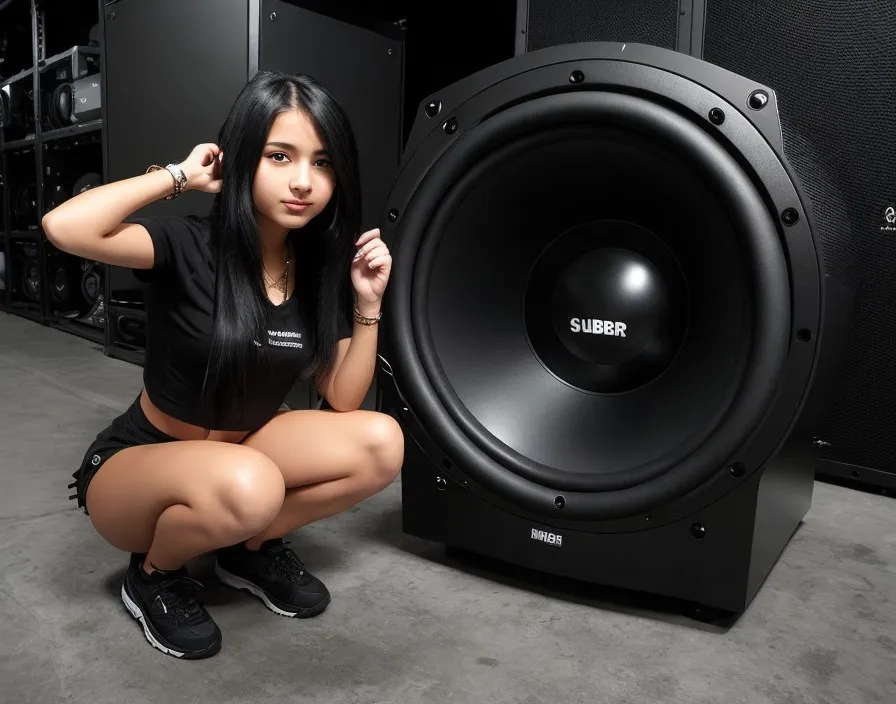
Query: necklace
pixel 281 284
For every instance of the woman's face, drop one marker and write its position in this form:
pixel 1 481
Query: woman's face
pixel 294 180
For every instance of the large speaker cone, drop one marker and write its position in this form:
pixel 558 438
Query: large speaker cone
pixel 606 299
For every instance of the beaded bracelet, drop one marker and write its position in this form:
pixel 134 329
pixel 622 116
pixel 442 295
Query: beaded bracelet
pixel 364 320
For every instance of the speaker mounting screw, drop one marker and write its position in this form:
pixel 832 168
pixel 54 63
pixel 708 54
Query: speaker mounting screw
pixel 393 215
pixel 737 470
pixel 698 530
pixel 111 15
pixel 717 116
pixel 433 108
pixel 559 503
pixel 441 483
pixel 758 99
pixel 450 126
pixel 274 16
pixel 790 216
pixel 576 77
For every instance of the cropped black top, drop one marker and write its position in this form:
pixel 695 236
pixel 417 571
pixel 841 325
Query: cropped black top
pixel 179 310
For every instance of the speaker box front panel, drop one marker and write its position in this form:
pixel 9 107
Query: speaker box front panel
pixel 168 84
pixel 163 95
pixel 552 22
pixel 361 68
pixel 832 65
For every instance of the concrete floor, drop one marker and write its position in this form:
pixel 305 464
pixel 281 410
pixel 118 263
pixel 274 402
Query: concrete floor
pixel 408 623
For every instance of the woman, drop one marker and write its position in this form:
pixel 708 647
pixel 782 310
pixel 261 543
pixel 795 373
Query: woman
pixel 240 305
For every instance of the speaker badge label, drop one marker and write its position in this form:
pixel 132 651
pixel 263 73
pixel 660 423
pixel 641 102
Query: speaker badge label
pixel 548 538
pixel 890 219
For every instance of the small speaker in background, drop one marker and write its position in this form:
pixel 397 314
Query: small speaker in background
pixel 130 327
pixel 24 272
pixel 23 206
pixel 76 102
pixel 17 110
pixel 70 88
pixel 76 284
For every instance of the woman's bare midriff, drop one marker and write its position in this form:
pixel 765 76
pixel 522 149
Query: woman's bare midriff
pixel 185 431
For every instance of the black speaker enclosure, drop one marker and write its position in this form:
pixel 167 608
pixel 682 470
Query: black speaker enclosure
pixel 77 101
pixel 748 483
pixel 16 109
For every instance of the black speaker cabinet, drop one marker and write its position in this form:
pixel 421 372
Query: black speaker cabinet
pixel 172 69
pixel 606 321
pixel 831 65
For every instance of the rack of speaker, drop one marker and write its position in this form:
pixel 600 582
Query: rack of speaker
pixel 52 150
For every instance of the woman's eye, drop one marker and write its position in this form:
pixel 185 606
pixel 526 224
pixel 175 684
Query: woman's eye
pixel 278 154
pixel 323 163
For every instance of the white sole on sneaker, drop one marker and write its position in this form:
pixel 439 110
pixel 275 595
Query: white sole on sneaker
pixel 235 582
pixel 134 610
pixel 137 614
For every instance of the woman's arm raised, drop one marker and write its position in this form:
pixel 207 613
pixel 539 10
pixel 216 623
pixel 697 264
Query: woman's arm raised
pixel 90 225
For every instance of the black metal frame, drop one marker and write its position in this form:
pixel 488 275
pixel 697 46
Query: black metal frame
pixel 41 137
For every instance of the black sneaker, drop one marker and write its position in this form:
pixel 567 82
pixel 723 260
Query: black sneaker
pixel 274 574
pixel 173 620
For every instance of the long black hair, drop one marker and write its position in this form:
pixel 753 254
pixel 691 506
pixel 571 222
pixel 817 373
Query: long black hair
pixel 323 249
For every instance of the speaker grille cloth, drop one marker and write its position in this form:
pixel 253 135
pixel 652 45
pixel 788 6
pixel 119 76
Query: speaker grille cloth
pixel 553 22
pixel 833 67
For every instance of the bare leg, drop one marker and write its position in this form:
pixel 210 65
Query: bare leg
pixel 177 500
pixel 329 461
pixel 181 499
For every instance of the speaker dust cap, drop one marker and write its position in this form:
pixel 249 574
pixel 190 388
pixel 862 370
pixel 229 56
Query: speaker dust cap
pixel 590 295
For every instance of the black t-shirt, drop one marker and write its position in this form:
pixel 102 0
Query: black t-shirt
pixel 179 312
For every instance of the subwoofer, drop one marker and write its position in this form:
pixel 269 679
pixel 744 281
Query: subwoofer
pixel 607 313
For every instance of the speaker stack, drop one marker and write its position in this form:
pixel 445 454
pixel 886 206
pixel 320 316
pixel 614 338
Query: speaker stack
pixel 620 292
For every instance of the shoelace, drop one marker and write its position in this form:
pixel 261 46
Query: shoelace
pixel 287 562
pixel 179 602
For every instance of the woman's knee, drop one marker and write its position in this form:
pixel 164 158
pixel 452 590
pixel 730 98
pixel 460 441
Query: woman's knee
pixel 383 438
pixel 249 490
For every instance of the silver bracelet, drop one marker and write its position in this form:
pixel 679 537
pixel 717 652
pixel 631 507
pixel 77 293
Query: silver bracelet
pixel 180 180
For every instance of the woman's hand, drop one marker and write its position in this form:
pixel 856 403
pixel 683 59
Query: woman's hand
pixel 370 271
pixel 203 168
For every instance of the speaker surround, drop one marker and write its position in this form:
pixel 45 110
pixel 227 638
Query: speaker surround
pixel 518 182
